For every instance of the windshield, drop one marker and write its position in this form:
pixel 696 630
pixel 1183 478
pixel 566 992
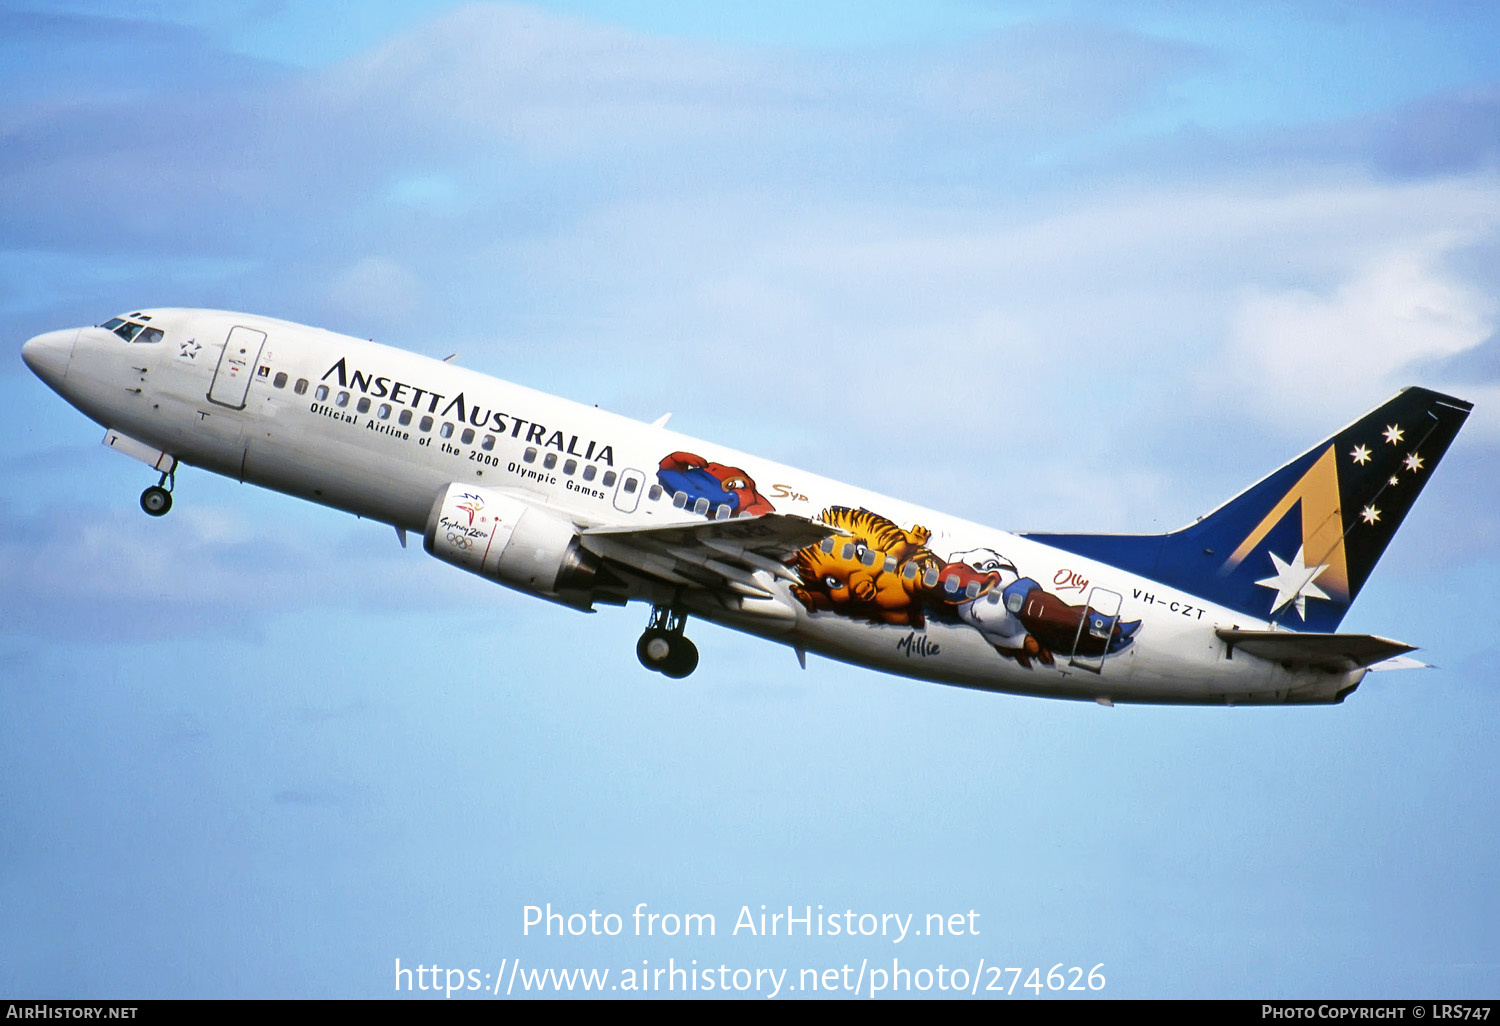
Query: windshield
pixel 133 329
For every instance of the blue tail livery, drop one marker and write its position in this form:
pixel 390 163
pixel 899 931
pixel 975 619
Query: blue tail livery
pixel 1296 547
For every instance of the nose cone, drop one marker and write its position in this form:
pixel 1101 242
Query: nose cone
pixel 48 355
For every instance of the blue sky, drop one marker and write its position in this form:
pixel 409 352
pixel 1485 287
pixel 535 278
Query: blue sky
pixel 257 749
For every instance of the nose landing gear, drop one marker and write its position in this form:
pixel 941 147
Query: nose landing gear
pixel 663 647
pixel 156 500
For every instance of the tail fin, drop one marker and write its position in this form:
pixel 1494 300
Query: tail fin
pixel 1297 546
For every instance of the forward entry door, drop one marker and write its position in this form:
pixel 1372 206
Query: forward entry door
pixel 236 367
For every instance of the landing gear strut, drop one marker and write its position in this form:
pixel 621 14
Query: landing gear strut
pixel 662 646
pixel 157 499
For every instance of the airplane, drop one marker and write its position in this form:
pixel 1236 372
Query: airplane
pixel 585 507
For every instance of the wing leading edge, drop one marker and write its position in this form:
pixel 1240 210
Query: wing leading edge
pixel 741 555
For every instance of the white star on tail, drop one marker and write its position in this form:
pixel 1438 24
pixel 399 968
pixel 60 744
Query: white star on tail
pixel 1361 454
pixel 1294 583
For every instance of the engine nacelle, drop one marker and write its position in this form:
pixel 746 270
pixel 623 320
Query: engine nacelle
pixel 516 543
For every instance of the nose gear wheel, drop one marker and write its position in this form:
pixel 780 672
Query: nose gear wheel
pixel 157 500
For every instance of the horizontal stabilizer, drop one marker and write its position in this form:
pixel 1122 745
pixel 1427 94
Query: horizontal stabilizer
pixel 1338 653
pixel 1401 662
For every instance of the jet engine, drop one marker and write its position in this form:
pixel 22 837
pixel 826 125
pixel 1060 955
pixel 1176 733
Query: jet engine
pixel 516 543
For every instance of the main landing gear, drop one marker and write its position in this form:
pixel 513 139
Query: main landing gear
pixel 662 646
pixel 156 500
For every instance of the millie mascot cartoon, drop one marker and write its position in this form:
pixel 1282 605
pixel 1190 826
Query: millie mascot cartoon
pixel 874 572
pixel 699 479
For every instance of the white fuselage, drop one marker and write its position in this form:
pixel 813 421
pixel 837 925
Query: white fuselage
pixel 380 432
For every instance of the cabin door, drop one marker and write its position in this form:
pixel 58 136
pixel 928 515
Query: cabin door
pixel 1095 630
pixel 236 367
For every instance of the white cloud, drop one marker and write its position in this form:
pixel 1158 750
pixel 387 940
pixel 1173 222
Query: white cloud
pixel 122 576
pixel 1384 306
pixel 1398 311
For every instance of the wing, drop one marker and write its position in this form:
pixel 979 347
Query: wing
pixel 740 555
pixel 1336 652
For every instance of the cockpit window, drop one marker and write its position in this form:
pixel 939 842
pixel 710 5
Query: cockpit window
pixel 132 330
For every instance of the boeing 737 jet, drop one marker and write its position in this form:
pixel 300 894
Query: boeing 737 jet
pixel 585 507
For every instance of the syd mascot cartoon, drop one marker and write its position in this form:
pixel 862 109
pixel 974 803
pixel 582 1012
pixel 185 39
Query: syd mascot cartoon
pixel 697 478
pixel 1022 620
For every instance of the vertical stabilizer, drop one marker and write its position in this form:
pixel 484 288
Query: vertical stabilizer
pixel 1297 546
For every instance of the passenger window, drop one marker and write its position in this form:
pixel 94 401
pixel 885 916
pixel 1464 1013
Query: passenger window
pixel 701 506
pixel 279 381
pixel 342 400
pixel 608 480
pixel 488 443
pixel 320 393
pixel 589 472
pixel 529 456
pixel 384 413
pixel 363 406
pixel 890 564
pixel 827 546
pixel 405 418
pixel 951 584
pixel 870 558
pixel 426 424
pixel 679 499
pixel 300 387
pixel 655 493
pixel 847 552
pixel 446 431
pixel 569 467
pixel 631 484
pixel 972 591
pixel 722 511
pixel 930 578
pixel 549 461
pixel 467 437
pixel 910 571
